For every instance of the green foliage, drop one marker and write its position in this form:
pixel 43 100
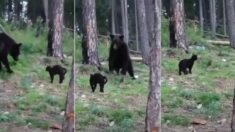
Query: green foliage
pixel 176 119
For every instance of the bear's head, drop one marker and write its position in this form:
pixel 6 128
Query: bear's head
pixel 15 51
pixel 116 41
pixel 194 57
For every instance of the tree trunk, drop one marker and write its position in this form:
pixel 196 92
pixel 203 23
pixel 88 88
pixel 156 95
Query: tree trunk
pixel 113 6
pixel 213 17
pixel 125 30
pixel 153 110
pixel 9 10
pixel 149 17
pixel 55 29
pixel 89 40
pixel 201 16
pixel 136 27
pixel 224 19
pixel 142 24
pixel 177 25
pixel 231 21
pixel 69 117
pixel 45 5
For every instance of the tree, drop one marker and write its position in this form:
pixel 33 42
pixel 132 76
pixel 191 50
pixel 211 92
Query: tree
pixel 224 19
pixel 201 16
pixel 125 30
pixel 213 17
pixel 69 117
pixel 45 6
pixel 55 29
pixel 231 21
pixel 142 25
pixel 89 39
pixel 177 25
pixel 113 16
pixel 153 110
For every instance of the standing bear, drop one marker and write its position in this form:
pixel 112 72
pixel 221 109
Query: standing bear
pixel 8 46
pixel 119 58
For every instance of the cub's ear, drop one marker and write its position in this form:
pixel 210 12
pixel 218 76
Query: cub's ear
pixel 111 36
pixel 19 44
pixel 121 37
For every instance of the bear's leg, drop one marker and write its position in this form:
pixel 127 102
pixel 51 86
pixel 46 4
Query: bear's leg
pixel 179 71
pixel 102 88
pixel 117 70
pixel 190 70
pixel 185 71
pixel 6 63
pixel 52 77
pixel 61 78
pixel 0 66
pixel 131 71
pixel 93 87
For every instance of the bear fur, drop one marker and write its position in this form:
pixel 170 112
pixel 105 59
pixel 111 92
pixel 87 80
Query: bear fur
pixel 56 70
pixel 187 64
pixel 8 46
pixel 119 58
pixel 97 78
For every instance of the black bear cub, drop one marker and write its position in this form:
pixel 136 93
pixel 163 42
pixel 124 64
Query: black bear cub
pixel 56 70
pixel 97 78
pixel 119 58
pixel 187 64
pixel 8 46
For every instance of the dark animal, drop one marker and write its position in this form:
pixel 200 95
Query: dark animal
pixel 187 64
pixel 119 58
pixel 8 46
pixel 56 70
pixel 97 78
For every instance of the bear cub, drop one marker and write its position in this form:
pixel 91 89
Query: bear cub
pixel 98 78
pixel 8 46
pixel 56 70
pixel 187 64
pixel 119 58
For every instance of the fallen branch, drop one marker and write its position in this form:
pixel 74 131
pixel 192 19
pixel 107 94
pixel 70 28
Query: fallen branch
pixel 218 42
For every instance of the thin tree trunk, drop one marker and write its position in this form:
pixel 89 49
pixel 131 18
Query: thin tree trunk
pixel 201 16
pixel 142 24
pixel 136 28
pixel 69 117
pixel 113 7
pixel 213 17
pixel 45 5
pixel 125 20
pixel 56 29
pixel 149 17
pixel 177 25
pixel 231 21
pixel 9 10
pixel 224 19
pixel 89 40
pixel 153 110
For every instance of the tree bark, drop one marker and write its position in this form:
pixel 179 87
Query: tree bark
pixel 9 11
pixel 45 5
pixel 113 6
pixel 68 124
pixel 142 24
pixel 89 40
pixel 177 25
pixel 56 29
pixel 136 27
pixel 149 17
pixel 213 17
pixel 153 110
pixel 231 21
pixel 125 30
pixel 201 16
pixel 224 19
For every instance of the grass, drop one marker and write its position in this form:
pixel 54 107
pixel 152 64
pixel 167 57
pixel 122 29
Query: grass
pixel 121 108
pixel 33 100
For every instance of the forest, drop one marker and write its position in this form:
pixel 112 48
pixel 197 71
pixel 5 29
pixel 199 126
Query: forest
pixel 117 65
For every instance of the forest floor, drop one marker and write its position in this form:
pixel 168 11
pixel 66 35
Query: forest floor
pixel 206 95
pixel 28 101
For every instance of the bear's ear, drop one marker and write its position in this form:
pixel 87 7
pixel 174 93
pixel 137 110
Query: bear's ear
pixel 19 44
pixel 111 36
pixel 121 37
